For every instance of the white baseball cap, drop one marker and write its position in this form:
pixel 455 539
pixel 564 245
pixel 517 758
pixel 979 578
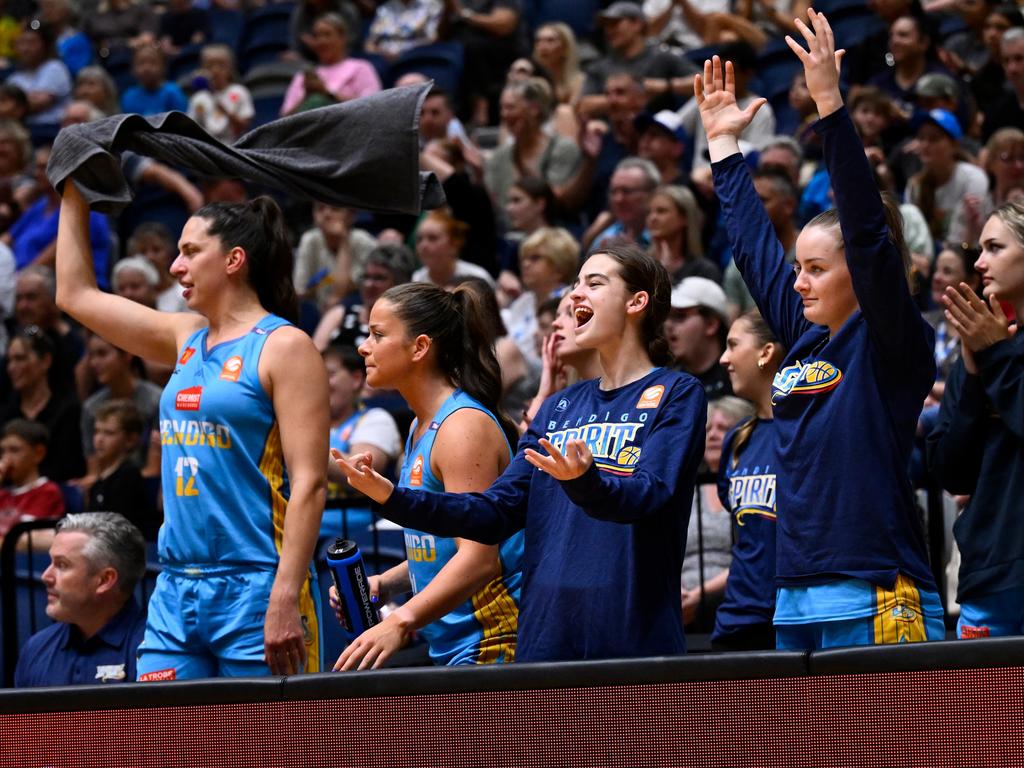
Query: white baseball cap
pixel 700 292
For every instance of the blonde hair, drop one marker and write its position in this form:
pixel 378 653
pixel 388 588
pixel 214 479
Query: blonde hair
pixel 571 72
pixel 558 247
pixel 686 204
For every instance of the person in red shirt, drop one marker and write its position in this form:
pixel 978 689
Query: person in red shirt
pixel 25 493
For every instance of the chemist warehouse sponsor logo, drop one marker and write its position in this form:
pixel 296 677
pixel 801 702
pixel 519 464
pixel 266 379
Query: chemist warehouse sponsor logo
pixel 188 399
pixel 193 432
pixel 813 378
pixel 609 441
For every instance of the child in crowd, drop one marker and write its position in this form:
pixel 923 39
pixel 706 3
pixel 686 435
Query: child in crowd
pixel 119 486
pixel 222 106
pixel 153 94
pixel 25 493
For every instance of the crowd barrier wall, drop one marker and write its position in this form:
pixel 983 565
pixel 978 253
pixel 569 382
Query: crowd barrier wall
pixel 935 704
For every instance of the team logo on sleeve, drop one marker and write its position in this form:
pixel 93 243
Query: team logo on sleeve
pixel 232 368
pixel 186 355
pixel 813 378
pixel 651 397
pixel 416 473
pixel 188 399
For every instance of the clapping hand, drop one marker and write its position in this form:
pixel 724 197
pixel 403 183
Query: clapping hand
pixel 978 324
pixel 568 466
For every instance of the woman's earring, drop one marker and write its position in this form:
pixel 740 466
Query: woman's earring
pixel 760 365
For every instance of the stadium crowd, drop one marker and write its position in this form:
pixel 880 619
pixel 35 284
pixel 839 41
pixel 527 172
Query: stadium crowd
pixel 554 141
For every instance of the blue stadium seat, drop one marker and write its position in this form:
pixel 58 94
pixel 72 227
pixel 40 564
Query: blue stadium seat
pixel 442 62
pixel 153 204
pixel 580 15
pixel 267 108
pixel 119 66
pixel 74 500
pixel 699 55
pixel 227 26
pixel 266 34
pixel 184 63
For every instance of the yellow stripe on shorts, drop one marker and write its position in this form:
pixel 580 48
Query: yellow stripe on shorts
pixel 899 618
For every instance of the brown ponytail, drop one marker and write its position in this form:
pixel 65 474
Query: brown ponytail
pixel 462 336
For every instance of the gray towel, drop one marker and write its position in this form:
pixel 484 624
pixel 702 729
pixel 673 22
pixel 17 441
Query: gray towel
pixel 361 154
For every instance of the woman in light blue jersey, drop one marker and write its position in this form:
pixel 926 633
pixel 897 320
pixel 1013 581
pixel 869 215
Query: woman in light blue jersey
pixel 244 425
pixel 432 347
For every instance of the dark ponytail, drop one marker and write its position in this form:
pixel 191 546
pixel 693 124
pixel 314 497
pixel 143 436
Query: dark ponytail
pixel 461 329
pixel 642 272
pixel 763 335
pixel 257 227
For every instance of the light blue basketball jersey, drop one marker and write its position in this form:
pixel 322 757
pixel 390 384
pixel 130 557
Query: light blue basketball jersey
pixel 224 484
pixel 483 629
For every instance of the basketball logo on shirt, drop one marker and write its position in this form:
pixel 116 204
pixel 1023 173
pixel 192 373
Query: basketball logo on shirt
pixel 186 355
pixel 232 368
pixel 651 397
pixel 813 378
pixel 416 473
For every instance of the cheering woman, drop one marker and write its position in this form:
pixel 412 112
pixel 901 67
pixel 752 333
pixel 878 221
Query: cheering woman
pixel 602 482
pixel 243 428
pixel 851 561
pixel 432 346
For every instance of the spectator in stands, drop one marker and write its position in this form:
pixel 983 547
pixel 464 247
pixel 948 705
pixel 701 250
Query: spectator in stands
pixel 336 77
pixel 25 494
pixel 330 258
pixel 95 85
pixel 674 222
pixel 563 361
pixel 34 235
pixel 709 534
pixel 1004 163
pixel 491 33
pixel 153 94
pixel 97 558
pixel 665 77
pixel 524 109
pixel 30 355
pixel 401 25
pixel 964 53
pixel 977 447
pixel 555 49
pixel 386 266
pixel 804 114
pixel 16 170
pixel 1009 110
pixel 439 239
pixel 988 83
pixel 746 488
pixel 696 330
pixel 761 128
pixel 223 107
pixel 306 12
pixel 684 25
pixel 662 140
pixel 182 24
pixel 119 25
pixel 468 200
pixel 548 261
pixel 954 265
pixel 354 429
pixel 153 242
pixel 34 305
pixel 784 155
pixel 629 199
pixel 912 48
pixel 117 485
pixel 437 116
pixel 873 114
pixel 41 75
pixel 870 57
pixel 136 279
pixel 118 379
pixel 73 46
pixel 944 179
pixel 13 103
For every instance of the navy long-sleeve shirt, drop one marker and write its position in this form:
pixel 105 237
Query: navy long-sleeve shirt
pixel 977 448
pixel 846 406
pixel 603 552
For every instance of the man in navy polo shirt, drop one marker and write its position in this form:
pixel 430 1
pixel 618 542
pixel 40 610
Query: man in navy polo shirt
pixel 96 560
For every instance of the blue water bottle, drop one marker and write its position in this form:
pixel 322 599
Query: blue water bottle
pixel 349 574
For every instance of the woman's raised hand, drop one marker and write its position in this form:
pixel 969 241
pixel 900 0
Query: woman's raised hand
pixel 359 471
pixel 716 98
pixel 821 62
